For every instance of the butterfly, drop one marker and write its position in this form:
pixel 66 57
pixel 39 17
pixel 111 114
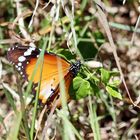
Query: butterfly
pixel 24 58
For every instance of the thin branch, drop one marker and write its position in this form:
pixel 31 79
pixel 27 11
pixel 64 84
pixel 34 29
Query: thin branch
pixel 21 21
pixel 136 27
pixel 36 6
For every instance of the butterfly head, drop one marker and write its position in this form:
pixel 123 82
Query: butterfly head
pixel 75 67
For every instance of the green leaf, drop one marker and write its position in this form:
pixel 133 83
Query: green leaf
pixel 105 75
pixel 113 92
pixel 114 73
pixel 99 37
pixel 80 88
pixel 45 23
pixel 65 53
pixel 95 79
pixel 87 49
pixel 115 83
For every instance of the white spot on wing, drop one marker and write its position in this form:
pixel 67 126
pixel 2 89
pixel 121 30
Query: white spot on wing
pixel 32 45
pixel 32 48
pixel 19 64
pixel 47 90
pixel 27 53
pixel 21 59
pixel 19 69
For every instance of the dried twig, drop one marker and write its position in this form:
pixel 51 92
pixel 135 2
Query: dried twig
pixel 36 6
pixel 40 120
pixel 21 22
pixel 136 27
pixel 48 122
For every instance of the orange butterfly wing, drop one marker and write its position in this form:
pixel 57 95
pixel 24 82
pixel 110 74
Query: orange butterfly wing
pixel 50 74
pixel 56 96
pixel 25 58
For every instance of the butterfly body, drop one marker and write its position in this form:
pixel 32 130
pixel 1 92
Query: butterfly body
pixel 25 58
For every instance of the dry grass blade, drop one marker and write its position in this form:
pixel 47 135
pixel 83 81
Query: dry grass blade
pixel 124 1
pixel 39 121
pixel 36 6
pixel 8 41
pixel 21 22
pixel 13 93
pixel 48 121
pixel 136 27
